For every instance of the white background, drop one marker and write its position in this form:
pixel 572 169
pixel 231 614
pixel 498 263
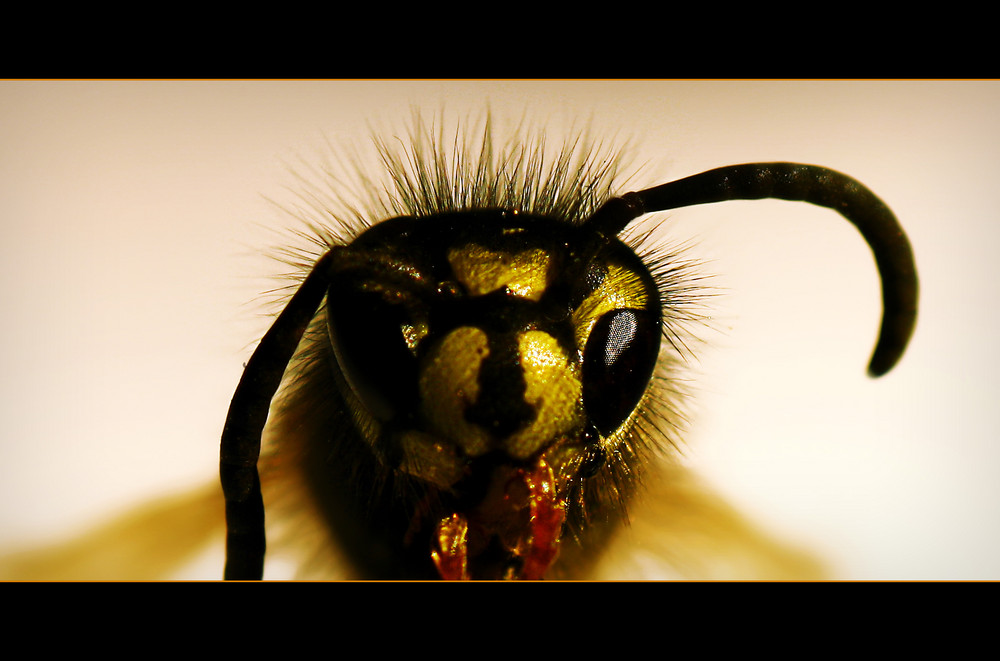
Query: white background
pixel 132 213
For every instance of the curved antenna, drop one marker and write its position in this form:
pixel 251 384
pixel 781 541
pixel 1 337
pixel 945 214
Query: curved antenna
pixel 245 540
pixel 800 183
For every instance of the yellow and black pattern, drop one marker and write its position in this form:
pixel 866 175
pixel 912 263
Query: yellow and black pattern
pixel 488 366
pixel 464 342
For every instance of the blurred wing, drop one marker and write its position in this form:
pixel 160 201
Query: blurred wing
pixel 678 530
pixel 151 542
pixel 681 530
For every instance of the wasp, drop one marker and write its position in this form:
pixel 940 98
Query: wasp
pixel 472 375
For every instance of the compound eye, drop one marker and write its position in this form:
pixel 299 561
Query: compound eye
pixel 618 363
pixel 373 337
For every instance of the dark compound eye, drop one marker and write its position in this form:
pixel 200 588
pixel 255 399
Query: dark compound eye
pixel 372 338
pixel 618 362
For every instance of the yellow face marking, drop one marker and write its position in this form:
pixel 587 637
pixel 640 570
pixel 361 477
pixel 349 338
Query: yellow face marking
pixel 482 271
pixel 449 379
pixel 449 383
pixel 554 388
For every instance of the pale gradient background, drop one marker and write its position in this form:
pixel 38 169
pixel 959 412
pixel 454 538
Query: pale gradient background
pixel 131 212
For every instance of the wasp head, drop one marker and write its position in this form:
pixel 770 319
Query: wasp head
pixel 496 358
